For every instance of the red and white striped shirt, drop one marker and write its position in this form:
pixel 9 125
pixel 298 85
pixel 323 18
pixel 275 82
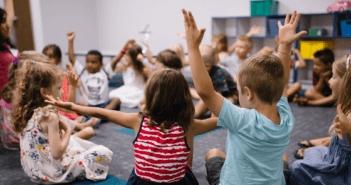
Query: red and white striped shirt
pixel 160 157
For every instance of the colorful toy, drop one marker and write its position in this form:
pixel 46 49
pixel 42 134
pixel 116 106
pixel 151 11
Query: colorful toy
pixel 340 6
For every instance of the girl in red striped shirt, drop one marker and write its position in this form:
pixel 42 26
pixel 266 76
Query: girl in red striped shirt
pixel 165 130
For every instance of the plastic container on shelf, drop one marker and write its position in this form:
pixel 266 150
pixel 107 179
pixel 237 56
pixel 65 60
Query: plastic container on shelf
pixel 273 26
pixel 317 32
pixel 264 7
pixel 346 28
pixel 308 48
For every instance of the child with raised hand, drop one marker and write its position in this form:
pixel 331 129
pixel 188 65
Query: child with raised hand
pixel 164 131
pixel 94 78
pixel 259 132
pixel 49 154
pixel 134 73
pixel 321 94
pixel 330 165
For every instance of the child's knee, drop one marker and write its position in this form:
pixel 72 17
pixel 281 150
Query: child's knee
pixel 214 152
pixel 308 93
pixel 89 131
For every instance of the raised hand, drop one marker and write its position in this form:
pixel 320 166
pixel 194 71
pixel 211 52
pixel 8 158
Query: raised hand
pixel 181 35
pixel 129 44
pixel 254 31
pixel 71 35
pixel 145 43
pixel 51 100
pixel 342 124
pixel 64 125
pixel 192 34
pixel 72 78
pixel 287 33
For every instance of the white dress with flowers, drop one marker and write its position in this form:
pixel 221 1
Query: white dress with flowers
pixel 82 159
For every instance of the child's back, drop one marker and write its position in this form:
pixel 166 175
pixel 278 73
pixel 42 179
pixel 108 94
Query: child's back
pixel 160 156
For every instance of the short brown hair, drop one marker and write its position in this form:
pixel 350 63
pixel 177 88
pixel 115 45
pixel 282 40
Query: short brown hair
pixel 246 39
pixel 222 42
pixel 27 97
pixel 264 74
pixel 168 100
pixel 169 59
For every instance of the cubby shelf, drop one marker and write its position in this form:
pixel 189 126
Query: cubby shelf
pixel 233 26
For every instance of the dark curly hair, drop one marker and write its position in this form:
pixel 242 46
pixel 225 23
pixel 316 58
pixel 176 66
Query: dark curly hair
pixel 2 39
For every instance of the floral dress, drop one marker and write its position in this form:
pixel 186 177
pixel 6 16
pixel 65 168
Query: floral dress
pixel 82 159
pixel 9 137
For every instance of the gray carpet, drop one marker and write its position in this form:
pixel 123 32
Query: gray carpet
pixel 311 122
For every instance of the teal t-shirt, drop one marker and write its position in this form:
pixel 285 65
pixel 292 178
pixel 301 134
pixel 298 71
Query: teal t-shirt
pixel 255 145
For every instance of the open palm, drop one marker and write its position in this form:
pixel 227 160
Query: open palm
pixel 287 33
pixel 51 100
pixel 192 34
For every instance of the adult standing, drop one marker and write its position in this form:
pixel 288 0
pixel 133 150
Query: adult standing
pixel 6 55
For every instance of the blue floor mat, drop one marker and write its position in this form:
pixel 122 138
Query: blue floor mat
pixel 109 180
pixel 131 132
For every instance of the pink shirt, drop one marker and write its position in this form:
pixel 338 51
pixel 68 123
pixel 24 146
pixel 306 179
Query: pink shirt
pixel 6 58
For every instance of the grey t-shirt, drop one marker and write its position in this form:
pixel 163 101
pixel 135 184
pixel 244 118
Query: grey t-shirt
pixel 231 64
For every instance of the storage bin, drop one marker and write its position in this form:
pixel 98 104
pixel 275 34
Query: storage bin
pixel 308 48
pixel 273 26
pixel 346 28
pixel 317 32
pixel 264 7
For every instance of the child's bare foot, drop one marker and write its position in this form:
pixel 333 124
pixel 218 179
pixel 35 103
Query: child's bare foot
pixel 79 119
pixel 296 97
pixel 300 153
pixel 95 122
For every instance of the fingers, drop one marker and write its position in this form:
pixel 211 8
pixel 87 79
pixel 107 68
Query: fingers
pixel 186 18
pixel 340 137
pixel 300 34
pixel 287 19
pixel 192 20
pixel 297 19
pixel 338 109
pixel 202 32
pixel 293 17
pixel 279 24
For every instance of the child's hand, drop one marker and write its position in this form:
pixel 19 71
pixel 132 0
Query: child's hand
pixel 296 51
pixel 181 35
pixel 192 34
pixel 51 100
pixel 254 31
pixel 72 78
pixel 287 33
pixel 325 75
pixel 69 67
pixel 71 35
pixel 64 125
pixel 144 42
pixel 342 124
pixel 129 44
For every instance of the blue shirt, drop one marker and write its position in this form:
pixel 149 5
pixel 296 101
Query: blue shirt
pixel 255 145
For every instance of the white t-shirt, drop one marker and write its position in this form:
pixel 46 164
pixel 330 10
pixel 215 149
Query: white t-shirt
pixel 94 87
pixel 231 64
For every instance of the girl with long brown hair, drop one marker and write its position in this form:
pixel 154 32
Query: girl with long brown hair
pixel 49 154
pixel 331 165
pixel 164 131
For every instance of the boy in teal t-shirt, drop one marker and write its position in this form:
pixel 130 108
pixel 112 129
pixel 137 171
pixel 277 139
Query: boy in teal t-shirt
pixel 258 133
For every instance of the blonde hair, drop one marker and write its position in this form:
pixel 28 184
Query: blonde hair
pixel 208 54
pixel 248 40
pixel 178 49
pixel 264 74
pixel 27 97
pixel 344 98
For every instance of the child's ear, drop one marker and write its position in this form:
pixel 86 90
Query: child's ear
pixel 249 93
pixel 43 92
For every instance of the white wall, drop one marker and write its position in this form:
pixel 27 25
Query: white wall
pixel 107 24
pixel 59 17
pixel 121 20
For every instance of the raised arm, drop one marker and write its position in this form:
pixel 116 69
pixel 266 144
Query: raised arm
pixel 202 80
pixel 73 84
pixel 199 127
pixel 10 11
pixel 287 36
pixel 70 37
pixel 148 53
pixel 120 54
pixel 57 145
pixel 128 120
pixel 302 62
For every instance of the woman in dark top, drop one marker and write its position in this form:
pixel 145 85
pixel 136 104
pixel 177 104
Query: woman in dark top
pixel 6 56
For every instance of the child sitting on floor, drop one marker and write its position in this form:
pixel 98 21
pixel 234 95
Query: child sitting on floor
pixel 330 165
pixel 49 154
pixel 321 94
pixel 164 131
pixel 222 81
pixel 94 78
pixel 135 74
pixel 259 132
